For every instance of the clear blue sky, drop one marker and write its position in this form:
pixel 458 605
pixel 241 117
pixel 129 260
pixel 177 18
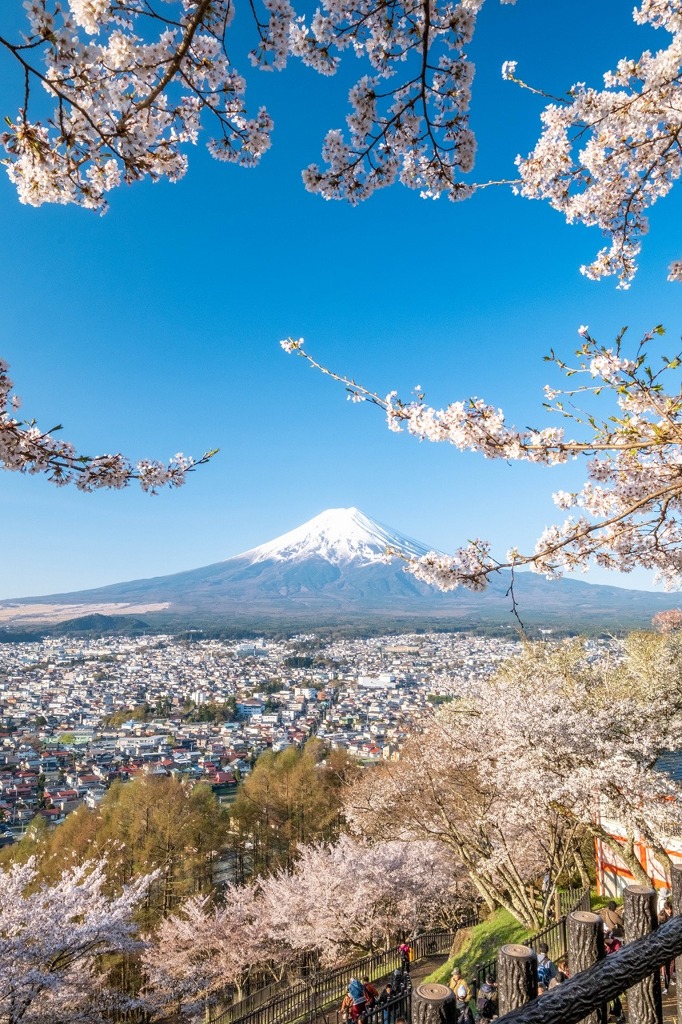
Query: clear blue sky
pixel 155 329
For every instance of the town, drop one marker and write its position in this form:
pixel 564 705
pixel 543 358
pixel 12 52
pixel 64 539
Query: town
pixel 76 715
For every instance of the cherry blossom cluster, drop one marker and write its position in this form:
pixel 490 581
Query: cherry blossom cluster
pixel 502 849
pixel 629 511
pixel 124 88
pixel 25 448
pixel 129 83
pixel 52 938
pixel 605 156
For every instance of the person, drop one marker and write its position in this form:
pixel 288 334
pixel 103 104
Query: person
pixel 459 986
pixel 405 951
pixel 558 979
pixel 486 1000
pixel 546 968
pixel 464 1014
pixel 665 968
pixel 562 965
pixel 346 1006
pixel 612 944
pixel 612 916
pixel 663 897
pixel 371 993
pixel 357 994
pixel 386 1000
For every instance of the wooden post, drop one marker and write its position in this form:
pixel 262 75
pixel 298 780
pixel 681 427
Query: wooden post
pixel 585 942
pixel 433 1004
pixel 676 874
pixel 517 977
pixel 640 917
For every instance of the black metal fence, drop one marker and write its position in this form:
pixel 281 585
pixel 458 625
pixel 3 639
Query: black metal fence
pixel 304 999
pixel 554 935
pixel 390 1011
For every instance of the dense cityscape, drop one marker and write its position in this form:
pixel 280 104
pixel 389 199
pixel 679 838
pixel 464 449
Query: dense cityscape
pixel 75 715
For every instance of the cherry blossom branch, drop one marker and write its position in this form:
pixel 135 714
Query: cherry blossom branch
pixel 631 503
pixel 628 131
pixel 27 449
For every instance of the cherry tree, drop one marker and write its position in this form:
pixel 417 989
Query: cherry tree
pixel 202 952
pixel 26 448
pixel 627 514
pixel 443 791
pixel 345 899
pixel 52 939
pixel 513 774
pixel 667 621
pixel 589 749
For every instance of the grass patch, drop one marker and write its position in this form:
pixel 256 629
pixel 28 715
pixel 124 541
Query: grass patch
pixel 483 943
pixel 600 901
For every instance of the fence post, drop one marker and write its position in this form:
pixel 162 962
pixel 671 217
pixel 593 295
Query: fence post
pixel 676 876
pixel 517 977
pixel 585 948
pixel 639 919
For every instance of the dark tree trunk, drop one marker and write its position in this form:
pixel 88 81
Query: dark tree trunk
pixel 433 1004
pixel 676 875
pixel 639 919
pixel 517 977
pixel 585 933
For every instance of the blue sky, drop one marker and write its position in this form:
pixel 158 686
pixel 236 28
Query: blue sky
pixel 155 328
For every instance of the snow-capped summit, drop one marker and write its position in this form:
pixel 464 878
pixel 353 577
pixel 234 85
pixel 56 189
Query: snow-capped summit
pixel 339 536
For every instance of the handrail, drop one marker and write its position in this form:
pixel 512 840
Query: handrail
pixel 585 992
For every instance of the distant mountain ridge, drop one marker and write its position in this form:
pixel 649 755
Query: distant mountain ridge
pixel 335 567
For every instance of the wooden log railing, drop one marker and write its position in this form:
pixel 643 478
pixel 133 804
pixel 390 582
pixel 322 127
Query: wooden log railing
pixel 599 979
pixel 586 992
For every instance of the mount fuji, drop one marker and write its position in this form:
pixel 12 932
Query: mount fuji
pixel 334 569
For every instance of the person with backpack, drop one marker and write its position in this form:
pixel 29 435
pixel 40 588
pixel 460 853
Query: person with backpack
pixel 404 952
pixel 357 994
pixel 464 1014
pixel 546 968
pixel 486 1001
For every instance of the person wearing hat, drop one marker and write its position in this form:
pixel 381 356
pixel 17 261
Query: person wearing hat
pixel 459 986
